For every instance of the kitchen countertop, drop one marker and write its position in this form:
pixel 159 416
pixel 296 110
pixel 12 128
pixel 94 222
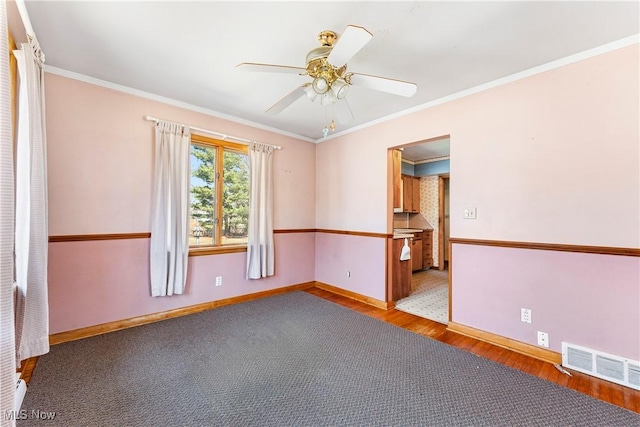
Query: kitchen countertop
pixel 402 233
pixel 402 236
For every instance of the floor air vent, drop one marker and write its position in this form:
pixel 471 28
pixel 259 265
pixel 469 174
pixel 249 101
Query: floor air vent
pixel 602 365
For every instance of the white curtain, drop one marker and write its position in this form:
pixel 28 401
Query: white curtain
pixel 7 325
pixel 260 250
pixel 32 235
pixel 170 216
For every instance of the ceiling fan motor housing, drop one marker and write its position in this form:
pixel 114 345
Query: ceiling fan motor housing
pixel 323 73
pixel 327 38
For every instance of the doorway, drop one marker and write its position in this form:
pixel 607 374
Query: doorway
pixel 429 290
pixel 443 222
pixel 429 297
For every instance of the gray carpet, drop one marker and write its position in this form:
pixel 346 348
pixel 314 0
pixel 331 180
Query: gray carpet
pixel 292 360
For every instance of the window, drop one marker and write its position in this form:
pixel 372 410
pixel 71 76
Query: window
pixel 219 196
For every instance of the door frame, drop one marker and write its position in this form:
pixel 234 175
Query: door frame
pixel 441 179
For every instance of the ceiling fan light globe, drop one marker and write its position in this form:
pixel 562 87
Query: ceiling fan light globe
pixel 320 85
pixel 328 98
pixel 311 94
pixel 340 88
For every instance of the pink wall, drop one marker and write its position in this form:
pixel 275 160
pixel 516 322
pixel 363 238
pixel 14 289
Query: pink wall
pixel 585 299
pixel 100 165
pixel 363 257
pixel 543 159
pixel 100 154
pixel 94 282
pixel 550 158
pixel 351 178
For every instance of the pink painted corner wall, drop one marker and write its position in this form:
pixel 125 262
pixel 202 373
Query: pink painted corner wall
pixel 550 158
pixel 530 155
pixel 543 159
pixel 100 159
pixel 100 281
pixel 585 299
pixel 351 185
pixel 100 166
pixel 362 256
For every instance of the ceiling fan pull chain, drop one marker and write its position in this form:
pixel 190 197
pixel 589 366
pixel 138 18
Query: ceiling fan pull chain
pixel 325 129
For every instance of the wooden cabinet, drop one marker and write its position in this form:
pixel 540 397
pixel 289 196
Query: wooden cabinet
pixel 416 252
pixel 410 194
pixel 396 160
pixel 422 250
pixel 401 276
pixel 415 201
pixel 407 193
pixel 427 248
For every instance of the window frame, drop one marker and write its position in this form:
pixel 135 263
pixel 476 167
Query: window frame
pixel 220 146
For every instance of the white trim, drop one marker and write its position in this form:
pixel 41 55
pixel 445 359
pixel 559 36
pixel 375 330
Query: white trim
pixel 169 101
pixel 419 162
pixel 435 159
pixel 628 41
pixel 590 53
pixel 24 16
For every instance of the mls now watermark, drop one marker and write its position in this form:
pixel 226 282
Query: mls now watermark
pixel 34 414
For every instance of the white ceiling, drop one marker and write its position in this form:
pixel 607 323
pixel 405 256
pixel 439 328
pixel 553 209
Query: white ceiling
pixel 188 51
pixel 427 150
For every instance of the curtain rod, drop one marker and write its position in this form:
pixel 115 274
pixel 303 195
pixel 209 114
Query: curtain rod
pixel 218 134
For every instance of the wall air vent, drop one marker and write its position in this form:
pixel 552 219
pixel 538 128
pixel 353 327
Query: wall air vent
pixel 612 368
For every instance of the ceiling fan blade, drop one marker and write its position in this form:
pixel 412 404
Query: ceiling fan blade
pixel 353 39
pixel 383 84
pixel 288 99
pixel 343 112
pixel 270 68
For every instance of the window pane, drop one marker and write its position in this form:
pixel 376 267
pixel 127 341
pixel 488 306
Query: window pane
pixel 203 190
pixel 235 198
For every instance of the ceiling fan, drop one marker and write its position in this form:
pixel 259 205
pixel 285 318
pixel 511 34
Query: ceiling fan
pixel 327 66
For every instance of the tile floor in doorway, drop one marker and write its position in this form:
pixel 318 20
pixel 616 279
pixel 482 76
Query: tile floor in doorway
pixel 429 296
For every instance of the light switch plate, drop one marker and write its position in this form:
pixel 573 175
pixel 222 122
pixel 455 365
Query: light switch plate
pixel 469 213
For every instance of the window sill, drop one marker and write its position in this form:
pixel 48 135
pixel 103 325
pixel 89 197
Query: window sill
pixel 216 250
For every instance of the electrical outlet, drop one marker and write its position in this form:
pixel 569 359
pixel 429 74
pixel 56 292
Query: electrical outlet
pixel 525 315
pixel 218 280
pixel 543 339
pixel 348 274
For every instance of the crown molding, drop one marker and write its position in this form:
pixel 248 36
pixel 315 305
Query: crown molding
pixel 571 59
pixel 142 94
pixel 435 159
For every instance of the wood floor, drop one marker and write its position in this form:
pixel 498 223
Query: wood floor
pixel 604 390
pixel 594 387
